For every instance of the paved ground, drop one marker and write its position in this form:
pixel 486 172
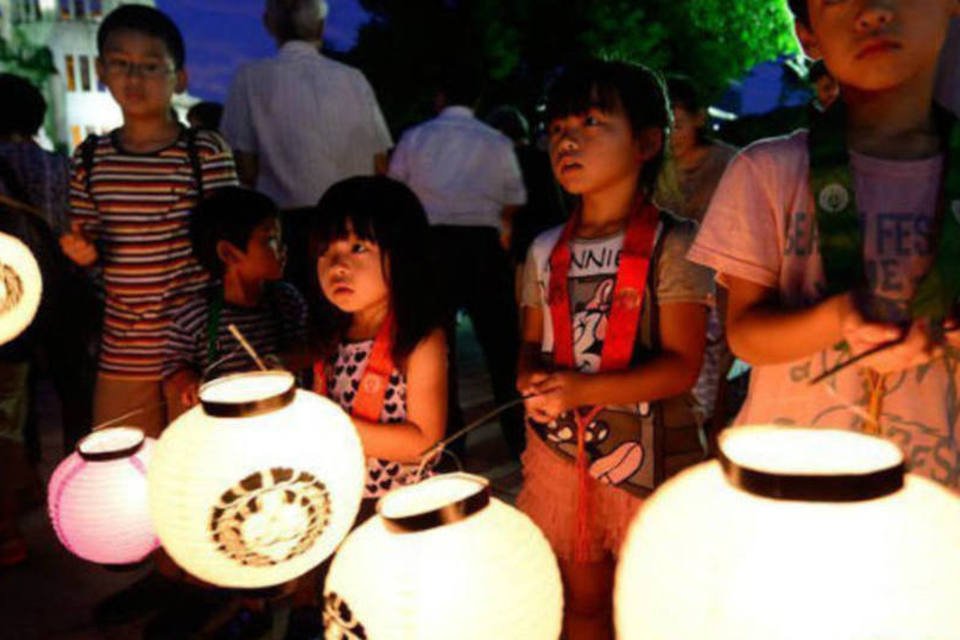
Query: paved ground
pixel 51 596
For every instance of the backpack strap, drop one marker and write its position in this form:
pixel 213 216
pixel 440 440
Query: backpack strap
pixel 193 152
pixel 88 150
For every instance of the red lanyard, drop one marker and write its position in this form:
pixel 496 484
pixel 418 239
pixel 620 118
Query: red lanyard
pixel 626 302
pixel 368 402
pixel 623 323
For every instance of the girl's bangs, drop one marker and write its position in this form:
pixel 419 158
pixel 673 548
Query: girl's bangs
pixel 339 226
pixel 575 94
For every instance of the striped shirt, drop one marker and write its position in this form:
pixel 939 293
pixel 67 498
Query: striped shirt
pixel 137 208
pixel 276 325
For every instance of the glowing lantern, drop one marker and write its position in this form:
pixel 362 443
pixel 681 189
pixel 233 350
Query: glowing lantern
pixel 444 560
pixel 795 534
pixel 97 498
pixel 258 484
pixel 20 287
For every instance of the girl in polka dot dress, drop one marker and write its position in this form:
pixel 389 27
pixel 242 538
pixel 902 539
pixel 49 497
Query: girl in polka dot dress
pixel 382 349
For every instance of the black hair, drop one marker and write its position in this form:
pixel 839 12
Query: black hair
pixel 800 10
pixel 207 113
pixel 683 93
pixel 510 122
pixel 461 84
pixel 145 20
pixel 608 85
pixel 386 212
pixel 816 71
pixel 231 214
pixel 23 107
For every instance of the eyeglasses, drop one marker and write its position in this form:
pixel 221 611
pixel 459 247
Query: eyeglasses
pixel 119 67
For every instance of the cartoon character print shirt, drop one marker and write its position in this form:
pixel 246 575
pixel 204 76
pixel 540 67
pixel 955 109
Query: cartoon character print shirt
pixel 622 441
pixel 761 228
pixel 343 380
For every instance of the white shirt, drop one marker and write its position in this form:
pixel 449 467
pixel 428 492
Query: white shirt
pixel 311 121
pixel 463 171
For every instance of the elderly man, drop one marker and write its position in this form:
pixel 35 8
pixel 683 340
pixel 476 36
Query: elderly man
pixel 300 122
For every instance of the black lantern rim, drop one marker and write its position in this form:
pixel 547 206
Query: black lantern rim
pixel 444 515
pixel 834 487
pixel 115 454
pixel 249 408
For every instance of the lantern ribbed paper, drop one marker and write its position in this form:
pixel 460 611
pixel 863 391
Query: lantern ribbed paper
pixel 97 498
pixel 258 484
pixel 708 560
pixel 405 574
pixel 20 287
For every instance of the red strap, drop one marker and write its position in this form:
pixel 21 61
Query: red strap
pixel 627 300
pixel 623 323
pixel 368 403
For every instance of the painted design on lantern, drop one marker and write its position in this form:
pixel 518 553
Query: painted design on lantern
pixel 338 620
pixel 270 516
pixel 11 288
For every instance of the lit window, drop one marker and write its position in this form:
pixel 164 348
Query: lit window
pixel 64 9
pixel 96 7
pixel 76 135
pixel 85 72
pixel 71 76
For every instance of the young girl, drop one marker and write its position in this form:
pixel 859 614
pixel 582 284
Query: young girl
pixel 614 320
pixel 383 352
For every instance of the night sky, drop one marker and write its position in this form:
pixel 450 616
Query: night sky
pixel 223 34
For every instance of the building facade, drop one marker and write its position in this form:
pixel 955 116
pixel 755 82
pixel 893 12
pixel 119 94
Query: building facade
pixel 78 103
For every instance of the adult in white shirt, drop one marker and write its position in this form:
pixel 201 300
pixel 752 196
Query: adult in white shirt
pixel 467 176
pixel 300 122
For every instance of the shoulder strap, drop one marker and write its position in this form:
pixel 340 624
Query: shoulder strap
pixel 88 150
pixel 213 326
pixel 193 152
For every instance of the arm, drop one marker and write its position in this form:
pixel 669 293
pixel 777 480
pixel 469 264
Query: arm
pixel 426 407
pixel 762 332
pixel 83 217
pixel 529 367
pixel 673 370
pixel 506 224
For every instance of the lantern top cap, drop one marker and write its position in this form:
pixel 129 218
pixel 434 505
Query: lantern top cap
pixel 821 465
pixel 253 393
pixel 114 443
pixel 435 502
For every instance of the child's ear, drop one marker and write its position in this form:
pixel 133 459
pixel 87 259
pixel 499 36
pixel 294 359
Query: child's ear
pixel 181 84
pixel 228 253
pixel 808 40
pixel 649 142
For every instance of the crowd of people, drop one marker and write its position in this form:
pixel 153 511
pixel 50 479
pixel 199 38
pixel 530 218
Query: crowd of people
pixel 613 307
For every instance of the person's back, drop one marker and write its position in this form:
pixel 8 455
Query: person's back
pixel 461 168
pixel 300 121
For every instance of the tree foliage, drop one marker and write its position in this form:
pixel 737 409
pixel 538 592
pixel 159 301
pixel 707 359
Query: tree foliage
pixel 519 43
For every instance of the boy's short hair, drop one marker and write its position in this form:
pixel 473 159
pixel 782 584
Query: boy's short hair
pixel 148 21
pixel 207 114
pixel 24 106
pixel 231 214
pixel 800 11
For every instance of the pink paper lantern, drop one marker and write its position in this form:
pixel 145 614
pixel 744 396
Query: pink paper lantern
pixel 97 498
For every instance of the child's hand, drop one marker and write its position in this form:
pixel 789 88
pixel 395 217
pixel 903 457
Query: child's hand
pixel 914 348
pixel 185 387
pixel 78 247
pixel 528 380
pixel 557 393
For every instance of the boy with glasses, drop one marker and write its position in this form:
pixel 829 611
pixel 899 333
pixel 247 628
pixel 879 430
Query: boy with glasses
pixel 131 196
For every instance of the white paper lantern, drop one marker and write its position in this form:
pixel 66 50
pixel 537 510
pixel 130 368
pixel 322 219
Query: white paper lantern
pixel 97 498
pixel 796 534
pixel 20 287
pixel 258 484
pixel 444 560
